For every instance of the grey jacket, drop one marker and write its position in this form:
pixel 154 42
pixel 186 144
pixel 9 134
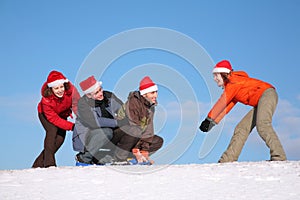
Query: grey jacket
pixel 91 117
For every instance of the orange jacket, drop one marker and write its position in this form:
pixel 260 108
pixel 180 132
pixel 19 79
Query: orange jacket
pixel 240 88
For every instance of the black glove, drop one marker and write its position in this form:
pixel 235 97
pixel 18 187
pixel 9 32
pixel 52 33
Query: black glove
pixel 206 125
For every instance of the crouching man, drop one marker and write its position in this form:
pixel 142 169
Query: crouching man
pixel 96 121
pixel 137 136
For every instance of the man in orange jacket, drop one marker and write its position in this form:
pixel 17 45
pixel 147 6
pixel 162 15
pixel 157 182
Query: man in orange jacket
pixel 239 87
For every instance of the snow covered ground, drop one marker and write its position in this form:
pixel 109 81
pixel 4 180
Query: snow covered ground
pixel 239 180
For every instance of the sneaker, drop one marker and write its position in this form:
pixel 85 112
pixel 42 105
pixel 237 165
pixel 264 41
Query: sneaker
pixel 274 158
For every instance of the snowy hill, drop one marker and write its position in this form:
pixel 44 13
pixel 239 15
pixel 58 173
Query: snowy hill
pixel 244 180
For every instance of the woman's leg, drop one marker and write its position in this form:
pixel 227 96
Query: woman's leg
pixel 265 110
pixel 39 161
pixel 240 135
pixel 53 141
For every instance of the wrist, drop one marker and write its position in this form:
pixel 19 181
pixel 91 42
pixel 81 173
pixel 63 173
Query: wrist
pixel 211 120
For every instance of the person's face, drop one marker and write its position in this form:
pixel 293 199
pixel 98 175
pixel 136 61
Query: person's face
pixel 218 79
pixel 59 90
pixel 97 94
pixel 151 96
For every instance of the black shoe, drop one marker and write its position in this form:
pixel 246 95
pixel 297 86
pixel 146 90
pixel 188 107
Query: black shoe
pixel 78 159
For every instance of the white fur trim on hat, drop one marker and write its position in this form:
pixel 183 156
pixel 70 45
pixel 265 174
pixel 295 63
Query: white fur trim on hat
pixel 149 89
pixel 57 82
pixel 93 87
pixel 221 70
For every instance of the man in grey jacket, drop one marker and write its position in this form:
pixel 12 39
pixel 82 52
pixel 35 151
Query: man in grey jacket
pixel 96 121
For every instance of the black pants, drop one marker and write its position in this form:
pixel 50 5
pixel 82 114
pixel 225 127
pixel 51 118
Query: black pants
pixel 124 144
pixel 53 140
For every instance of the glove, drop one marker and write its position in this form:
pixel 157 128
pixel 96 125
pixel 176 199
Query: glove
pixel 206 125
pixel 138 155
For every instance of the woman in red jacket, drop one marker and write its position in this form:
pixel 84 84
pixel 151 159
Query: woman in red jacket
pixel 239 87
pixel 59 97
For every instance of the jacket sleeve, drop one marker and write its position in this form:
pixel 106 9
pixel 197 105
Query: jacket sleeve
pixel 137 113
pixel 75 99
pixel 136 125
pixel 223 106
pixel 106 122
pixel 54 118
pixel 132 130
pixel 92 118
pixel 224 112
pixel 85 114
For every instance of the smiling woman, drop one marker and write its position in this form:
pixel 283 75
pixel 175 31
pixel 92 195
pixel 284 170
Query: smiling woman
pixel 59 90
pixel 59 97
pixel 239 87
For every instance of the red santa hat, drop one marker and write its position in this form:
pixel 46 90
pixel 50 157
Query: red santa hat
pixel 223 66
pixel 90 84
pixel 147 85
pixel 56 78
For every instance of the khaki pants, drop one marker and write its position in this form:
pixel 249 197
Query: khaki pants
pixel 261 117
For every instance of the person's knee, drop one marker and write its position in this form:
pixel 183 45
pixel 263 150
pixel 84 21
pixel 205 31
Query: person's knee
pixel 242 129
pixel 263 126
pixel 102 133
pixel 156 144
pixel 159 141
pixel 108 133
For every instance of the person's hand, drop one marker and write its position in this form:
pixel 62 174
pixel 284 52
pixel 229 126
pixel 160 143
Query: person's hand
pixel 206 125
pixel 139 156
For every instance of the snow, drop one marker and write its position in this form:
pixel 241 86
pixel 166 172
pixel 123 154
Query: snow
pixel 238 180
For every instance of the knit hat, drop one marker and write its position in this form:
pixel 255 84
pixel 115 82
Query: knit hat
pixel 90 84
pixel 223 66
pixel 55 78
pixel 147 85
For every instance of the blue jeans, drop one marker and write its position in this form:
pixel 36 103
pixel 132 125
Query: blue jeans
pixel 95 140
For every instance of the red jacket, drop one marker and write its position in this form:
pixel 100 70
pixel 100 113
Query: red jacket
pixel 57 110
pixel 240 88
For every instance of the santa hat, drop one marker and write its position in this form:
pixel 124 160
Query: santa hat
pixel 90 84
pixel 56 78
pixel 222 67
pixel 147 85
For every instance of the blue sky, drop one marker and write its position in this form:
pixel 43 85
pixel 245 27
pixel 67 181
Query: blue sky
pixel 259 37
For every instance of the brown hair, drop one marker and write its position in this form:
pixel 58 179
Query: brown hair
pixel 48 90
pixel 225 77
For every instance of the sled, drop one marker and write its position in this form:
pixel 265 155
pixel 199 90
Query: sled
pixel 129 161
